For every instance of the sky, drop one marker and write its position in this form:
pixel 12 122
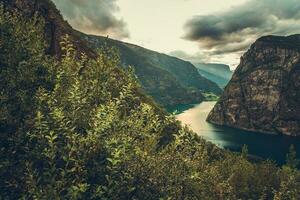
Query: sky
pixel 216 31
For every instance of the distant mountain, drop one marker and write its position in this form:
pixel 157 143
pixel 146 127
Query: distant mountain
pixel 218 73
pixel 264 92
pixel 169 80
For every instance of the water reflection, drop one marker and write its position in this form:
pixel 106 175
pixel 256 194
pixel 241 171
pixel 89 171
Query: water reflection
pixel 267 146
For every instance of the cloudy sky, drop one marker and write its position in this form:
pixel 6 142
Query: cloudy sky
pixel 196 30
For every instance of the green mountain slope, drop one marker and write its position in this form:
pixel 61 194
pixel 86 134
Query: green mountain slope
pixel 217 73
pixel 167 79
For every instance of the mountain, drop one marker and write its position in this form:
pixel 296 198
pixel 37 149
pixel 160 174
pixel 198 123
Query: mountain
pixel 218 73
pixel 169 80
pixel 55 28
pixel 264 92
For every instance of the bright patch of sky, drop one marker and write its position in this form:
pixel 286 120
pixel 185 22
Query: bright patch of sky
pixel 217 31
pixel 159 25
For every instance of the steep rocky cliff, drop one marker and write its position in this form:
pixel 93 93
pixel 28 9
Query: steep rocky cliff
pixel 264 92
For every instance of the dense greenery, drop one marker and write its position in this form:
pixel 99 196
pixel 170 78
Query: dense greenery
pixel 76 129
pixel 210 96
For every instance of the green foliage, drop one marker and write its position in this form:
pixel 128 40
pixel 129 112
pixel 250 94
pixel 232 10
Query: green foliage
pixel 23 69
pixel 244 151
pixel 291 158
pixel 210 96
pixel 80 130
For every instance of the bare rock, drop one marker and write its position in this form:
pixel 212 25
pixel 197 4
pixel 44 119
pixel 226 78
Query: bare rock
pixel 264 92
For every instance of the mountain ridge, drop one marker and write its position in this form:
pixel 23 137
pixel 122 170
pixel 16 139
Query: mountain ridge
pixel 181 74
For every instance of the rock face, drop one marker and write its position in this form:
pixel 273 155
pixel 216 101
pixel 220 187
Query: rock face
pixel 55 26
pixel 264 92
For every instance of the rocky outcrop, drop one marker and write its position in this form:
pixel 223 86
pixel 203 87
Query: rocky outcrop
pixel 55 26
pixel 264 92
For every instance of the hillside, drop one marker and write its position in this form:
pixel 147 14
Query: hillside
pixel 264 92
pixel 167 79
pixel 218 73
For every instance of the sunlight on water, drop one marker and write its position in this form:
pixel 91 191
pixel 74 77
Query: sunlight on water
pixel 263 145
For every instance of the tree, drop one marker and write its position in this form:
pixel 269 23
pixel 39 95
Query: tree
pixel 291 158
pixel 245 151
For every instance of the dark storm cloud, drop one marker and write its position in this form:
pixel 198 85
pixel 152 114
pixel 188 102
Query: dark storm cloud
pixel 94 16
pixel 235 29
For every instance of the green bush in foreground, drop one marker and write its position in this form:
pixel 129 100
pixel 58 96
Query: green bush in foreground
pixel 76 129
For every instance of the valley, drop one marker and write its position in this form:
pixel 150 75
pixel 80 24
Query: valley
pixel 87 117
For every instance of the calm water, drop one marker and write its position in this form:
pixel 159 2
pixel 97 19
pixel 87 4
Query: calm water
pixel 263 145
